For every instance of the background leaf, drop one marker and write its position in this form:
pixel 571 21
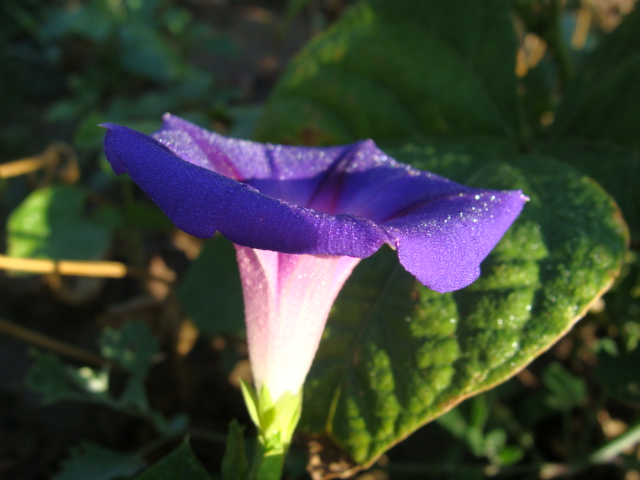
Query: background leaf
pixel 391 70
pixel 132 347
pixel 53 379
pixel 235 465
pixel 51 223
pixel 94 462
pixel 396 355
pixel 566 391
pixel 181 464
pixel 620 375
pixel 211 292
pixel 602 101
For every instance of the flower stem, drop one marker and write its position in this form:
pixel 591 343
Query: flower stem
pixel 276 422
pixel 267 463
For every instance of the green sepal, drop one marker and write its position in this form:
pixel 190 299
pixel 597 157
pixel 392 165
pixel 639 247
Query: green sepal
pixel 276 421
pixel 279 419
pixel 251 401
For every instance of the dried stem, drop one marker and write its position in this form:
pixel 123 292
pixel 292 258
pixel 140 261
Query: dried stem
pixel 57 346
pixel 56 154
pixel 102 269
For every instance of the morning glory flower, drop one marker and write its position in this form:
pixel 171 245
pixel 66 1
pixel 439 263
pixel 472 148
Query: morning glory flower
pixel 346 200
pixel 301 218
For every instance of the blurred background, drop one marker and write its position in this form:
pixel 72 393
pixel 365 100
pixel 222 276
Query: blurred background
pixel 65 67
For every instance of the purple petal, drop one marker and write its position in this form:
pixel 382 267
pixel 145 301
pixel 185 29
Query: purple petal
pixel 443 242
pixel 200 202
pixel 344 200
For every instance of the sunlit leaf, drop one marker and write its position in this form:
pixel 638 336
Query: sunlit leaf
pixel 51 223
pixel 396 355
pixel 616 168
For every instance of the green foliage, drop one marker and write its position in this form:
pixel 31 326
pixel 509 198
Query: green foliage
pixel 91 461
pixel 211 292
pixel 596 124
pixel 56 381
pixel 95 60
pixel 181 464
pixel 566 391
pixel 616 168
pixel 131 348
pixel 51 223
pixel 235 465
pixel 392 71
pixel 367 394
pixel 445 71
pixel 619 374
pixel 601 102
pixel 472 428
pixel 434 83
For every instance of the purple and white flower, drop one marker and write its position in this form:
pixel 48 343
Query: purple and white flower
pixel 301 219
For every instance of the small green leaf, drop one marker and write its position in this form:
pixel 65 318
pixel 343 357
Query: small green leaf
pixel 566 390
pixel 603 101
pixel 510 455
pixel 132 347
pixel 50 223
pixel 211 291
pixel 251 401
pixel 49 377
pixel 493 442
pixel 57 381
pixel 395 355
pixel 235 465
pixel 181 464
pixel 94 462
pixel 399 71
pixel 145 52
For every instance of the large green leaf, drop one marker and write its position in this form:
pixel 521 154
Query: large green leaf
pixel 395 354
pixel 401 70
pixel 51 223
pixel 616 168
pixel 603 101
